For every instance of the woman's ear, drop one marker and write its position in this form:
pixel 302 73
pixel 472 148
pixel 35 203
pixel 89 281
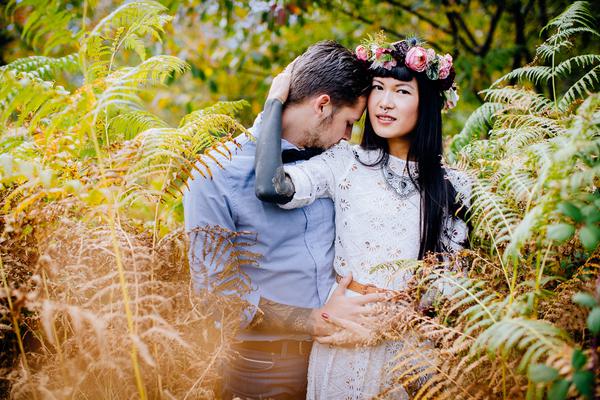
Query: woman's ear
pixel 322 106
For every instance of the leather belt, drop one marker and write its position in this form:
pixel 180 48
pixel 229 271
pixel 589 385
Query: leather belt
pixel 362 288
pixel 283 347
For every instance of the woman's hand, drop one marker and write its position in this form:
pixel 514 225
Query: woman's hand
pixel 349 334
pixel 281 84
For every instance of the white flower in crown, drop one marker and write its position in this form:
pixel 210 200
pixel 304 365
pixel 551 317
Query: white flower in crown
pixel 451 98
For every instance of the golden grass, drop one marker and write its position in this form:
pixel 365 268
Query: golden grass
pixel 76 334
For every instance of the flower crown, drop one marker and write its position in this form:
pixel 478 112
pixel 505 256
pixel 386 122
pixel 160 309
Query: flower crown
pixel 381 54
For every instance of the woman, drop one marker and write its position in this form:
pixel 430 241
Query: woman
pixel 393 199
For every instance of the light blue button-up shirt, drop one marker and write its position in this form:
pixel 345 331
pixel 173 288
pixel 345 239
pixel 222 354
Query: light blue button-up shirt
pixel 296 246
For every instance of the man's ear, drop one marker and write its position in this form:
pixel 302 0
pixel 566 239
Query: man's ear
pixel 322 106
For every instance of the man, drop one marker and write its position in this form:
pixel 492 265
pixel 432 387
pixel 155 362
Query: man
pixel 290 284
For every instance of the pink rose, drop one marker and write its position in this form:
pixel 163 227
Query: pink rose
pixel 362 53
pixel 445 66
pixel 379 52
pixel 416 59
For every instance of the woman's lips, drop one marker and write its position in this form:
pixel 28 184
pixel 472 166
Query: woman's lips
pixel 385 119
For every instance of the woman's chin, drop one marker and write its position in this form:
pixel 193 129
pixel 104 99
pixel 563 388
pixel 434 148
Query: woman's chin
pixel 387 133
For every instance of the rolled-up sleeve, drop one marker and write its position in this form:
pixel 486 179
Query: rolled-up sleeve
pixel 209 212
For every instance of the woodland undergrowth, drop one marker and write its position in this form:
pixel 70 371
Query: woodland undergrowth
pixel 95 298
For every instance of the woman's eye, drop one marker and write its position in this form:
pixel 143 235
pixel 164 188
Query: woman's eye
pixel 378 87
pixel 403 91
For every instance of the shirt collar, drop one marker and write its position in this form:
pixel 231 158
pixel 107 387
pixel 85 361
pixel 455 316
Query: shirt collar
pixel 285 145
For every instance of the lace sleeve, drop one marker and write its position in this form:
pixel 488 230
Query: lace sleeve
pixel 315 178
pixel 454 230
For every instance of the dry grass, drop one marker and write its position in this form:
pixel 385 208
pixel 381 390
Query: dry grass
pixel 67 295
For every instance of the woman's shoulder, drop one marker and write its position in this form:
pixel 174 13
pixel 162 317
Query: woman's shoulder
pixel 365 156
pixel 341 152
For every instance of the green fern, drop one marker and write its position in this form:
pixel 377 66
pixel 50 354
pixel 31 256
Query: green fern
pixel 123 29
pixel 48 25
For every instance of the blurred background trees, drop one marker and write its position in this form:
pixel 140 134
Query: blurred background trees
pixel 235 47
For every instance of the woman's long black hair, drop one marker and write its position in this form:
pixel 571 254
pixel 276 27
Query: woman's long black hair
pixel 437 193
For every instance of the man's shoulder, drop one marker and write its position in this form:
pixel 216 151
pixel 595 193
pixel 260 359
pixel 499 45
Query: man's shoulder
pixel 228 159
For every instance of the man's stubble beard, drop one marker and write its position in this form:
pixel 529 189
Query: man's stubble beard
pixel 315 136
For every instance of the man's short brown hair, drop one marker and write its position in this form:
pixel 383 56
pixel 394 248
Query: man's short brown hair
pixel 329 68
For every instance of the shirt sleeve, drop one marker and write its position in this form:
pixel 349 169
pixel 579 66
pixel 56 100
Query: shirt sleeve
pixel 209 212
pixel 316 178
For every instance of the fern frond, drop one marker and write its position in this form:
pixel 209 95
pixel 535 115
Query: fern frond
pixel 128 125
pixel 47 26
pixel 536 74
pixel 518 182
pixel 124 28
pixel 551 126
pixel 576 14
pixel 538 339
pixel 566 67
pixel 584 86
pixel 44 67
pixel 231 108
pixel 492 215
pixel 169 156
pixel 477 126
pixel 577 18
pixel 24 96
pixel 518 98
pixel 125 84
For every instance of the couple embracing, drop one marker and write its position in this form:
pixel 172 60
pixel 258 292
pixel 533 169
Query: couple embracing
pixel 325 212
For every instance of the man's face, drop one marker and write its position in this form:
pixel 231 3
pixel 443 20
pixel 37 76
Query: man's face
pixel 336 127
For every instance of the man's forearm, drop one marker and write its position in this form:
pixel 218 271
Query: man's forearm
pixel 273 317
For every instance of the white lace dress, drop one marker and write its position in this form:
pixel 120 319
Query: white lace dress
pixel 374 225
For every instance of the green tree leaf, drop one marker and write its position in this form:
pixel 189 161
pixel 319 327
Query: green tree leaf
pixel 591 213
pixel 584 382
pixel 584 299
pixel 589 236
pixel 559 390
pixel 579 359
pixel 560 232
pixel 570 210
pixel 542 373
pixel 593 321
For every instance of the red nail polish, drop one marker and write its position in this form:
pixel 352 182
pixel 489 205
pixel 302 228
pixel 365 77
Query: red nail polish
pixel 325 315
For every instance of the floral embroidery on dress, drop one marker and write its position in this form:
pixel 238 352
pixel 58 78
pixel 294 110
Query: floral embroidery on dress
pixel 345 184
pixel 344 205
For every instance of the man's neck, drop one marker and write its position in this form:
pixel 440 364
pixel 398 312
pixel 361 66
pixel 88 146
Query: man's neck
pixel 293 125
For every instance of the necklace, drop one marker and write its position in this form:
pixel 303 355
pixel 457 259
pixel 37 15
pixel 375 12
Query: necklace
pixel 401 184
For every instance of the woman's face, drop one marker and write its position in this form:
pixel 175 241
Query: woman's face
pixel 393 107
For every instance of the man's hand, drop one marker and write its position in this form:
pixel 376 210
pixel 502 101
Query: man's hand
pixel 281 84
pixel 358 310
pixel 350 334
pixel 274 317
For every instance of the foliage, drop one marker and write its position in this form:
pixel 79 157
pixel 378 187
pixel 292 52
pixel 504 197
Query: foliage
pixel 93 255
pixel 91 220
pixel 536 228
pixel 251 41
